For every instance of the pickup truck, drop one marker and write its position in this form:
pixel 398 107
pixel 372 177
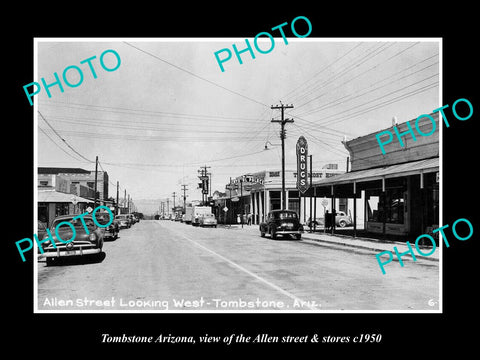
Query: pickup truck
pixel 282 222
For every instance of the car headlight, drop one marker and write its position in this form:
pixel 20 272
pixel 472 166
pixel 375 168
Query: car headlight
pixel 92 237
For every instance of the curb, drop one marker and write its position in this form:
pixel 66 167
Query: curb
pixel 360 246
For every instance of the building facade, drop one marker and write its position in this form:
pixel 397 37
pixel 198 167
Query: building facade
pixel 78 180
pixel 400 188
pixel 255 194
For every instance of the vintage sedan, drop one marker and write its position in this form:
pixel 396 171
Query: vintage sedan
pixel 207 220
pixel 82 244
pixel 112 230
pixel 282 222
pixel 123 221
pixel 341 220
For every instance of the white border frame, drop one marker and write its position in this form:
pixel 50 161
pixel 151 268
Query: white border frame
pixel 319 311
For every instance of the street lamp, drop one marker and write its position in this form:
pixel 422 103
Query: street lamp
pixel 268 142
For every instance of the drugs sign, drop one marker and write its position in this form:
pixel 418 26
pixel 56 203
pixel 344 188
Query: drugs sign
pixel 302 153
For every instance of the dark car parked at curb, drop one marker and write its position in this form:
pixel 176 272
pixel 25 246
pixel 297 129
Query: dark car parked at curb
pixel 82 244
pixel 112 230
pixel 282 222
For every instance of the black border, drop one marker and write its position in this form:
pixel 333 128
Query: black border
pixel 426 333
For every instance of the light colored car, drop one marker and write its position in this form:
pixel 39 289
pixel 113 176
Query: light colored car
pixel 341 220
pixel 207 220
pixel 123 221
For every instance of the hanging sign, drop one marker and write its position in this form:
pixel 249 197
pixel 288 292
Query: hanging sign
pixel 302 154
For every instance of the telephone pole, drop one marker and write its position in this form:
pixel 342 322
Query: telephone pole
pixel 204 177
pixel 95 186
pixel 282 122
pixel 184 189
pixel 174 200
pixel 125 198
pixel 116 202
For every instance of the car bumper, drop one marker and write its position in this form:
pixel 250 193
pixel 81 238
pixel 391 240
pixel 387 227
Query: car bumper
pixel 289 232
pixel 74 252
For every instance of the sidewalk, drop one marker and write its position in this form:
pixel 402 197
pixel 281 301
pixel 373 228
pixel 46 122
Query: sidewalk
pixel 357 242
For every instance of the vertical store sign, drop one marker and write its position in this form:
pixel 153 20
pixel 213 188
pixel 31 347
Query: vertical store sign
pixel 302 154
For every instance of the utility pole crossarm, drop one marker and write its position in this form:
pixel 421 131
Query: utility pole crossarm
pixel 282 122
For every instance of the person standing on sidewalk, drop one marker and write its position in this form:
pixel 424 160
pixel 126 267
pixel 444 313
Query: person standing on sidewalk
pixel 328 221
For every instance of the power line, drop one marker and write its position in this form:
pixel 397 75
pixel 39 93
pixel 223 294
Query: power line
pixel 116 126
pixel 322 70
pixel 195 75
pixel 56 133
pixel 387 102
pixel 325 105
pixel 141 112
pixel 352 67
pixel 149 138
pixel 347 68
pixel 45 133
pixel 370 101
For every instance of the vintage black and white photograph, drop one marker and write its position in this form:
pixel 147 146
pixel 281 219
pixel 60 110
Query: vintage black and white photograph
pixel 270 174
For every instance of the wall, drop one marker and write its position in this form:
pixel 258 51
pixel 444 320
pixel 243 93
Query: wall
pixel 365 151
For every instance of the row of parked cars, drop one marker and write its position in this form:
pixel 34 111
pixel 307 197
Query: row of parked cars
pixel 88 236
pixel 202 220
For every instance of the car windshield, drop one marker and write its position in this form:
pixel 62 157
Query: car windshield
pixel 103 218
pixel 77 223
pixel 285 215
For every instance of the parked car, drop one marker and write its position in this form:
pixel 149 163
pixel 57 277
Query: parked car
pixel 281 222
pixel 41 229
pixel 123 221
pixel 207 220
pixel 178 217
pixel 83 244
pixel 131 218
pixel 341 220
pixel 112 230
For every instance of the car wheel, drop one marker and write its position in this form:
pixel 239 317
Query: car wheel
pixel 273 234
pixel 342 223
pixel 262 234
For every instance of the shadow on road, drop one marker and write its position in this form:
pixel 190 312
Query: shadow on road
pixel 78 260
pixel 111 239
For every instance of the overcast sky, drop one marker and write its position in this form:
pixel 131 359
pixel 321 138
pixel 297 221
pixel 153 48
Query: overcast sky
pixel 169 109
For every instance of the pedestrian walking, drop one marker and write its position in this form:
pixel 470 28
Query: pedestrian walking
pixel 249 219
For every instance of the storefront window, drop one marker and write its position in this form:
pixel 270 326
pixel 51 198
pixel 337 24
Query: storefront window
pixel 275 200
pixel 395 206
pixel 432 199
pixel 61 209
pixel 393 210
pixel 373 202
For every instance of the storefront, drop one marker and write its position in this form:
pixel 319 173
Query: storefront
pixel 52 203
pixel 261 192
pixel 400 189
